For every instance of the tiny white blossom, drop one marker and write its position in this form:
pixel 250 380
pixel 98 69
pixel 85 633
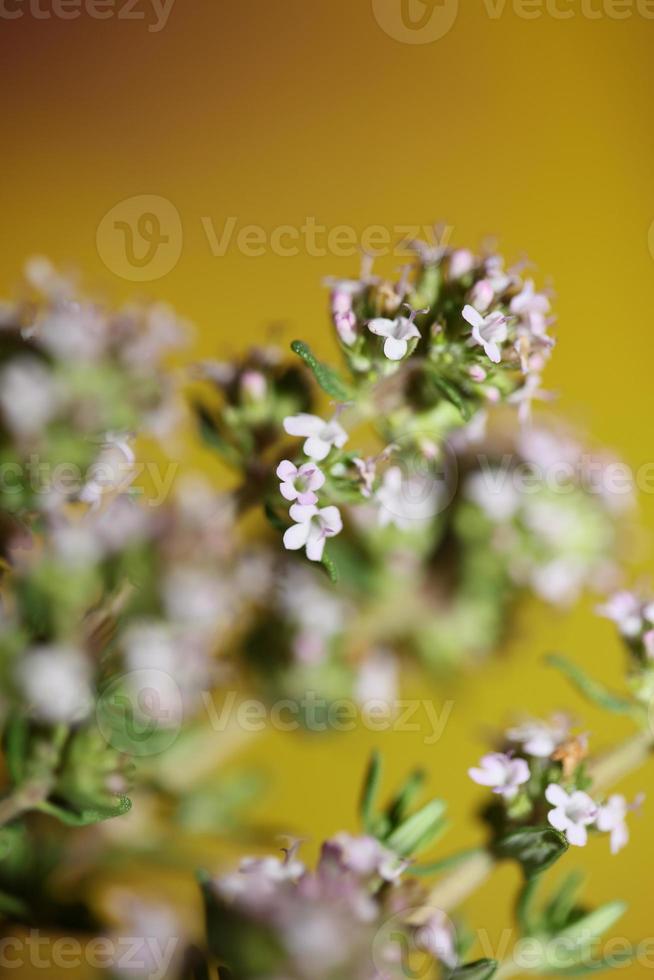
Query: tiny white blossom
pixel 312 528
pixel 572 813
pixel 398 333
pixel 500 771
pixel 487 331
pixel 540 738
pixel 320 436
pixel 56 681
pixel 407 502
pixel 625 609
pixel 29 397
pixel 611 819
pixel 437 937
pixel 299 483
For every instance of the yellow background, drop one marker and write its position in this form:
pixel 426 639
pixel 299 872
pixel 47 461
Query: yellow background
pixel 537 131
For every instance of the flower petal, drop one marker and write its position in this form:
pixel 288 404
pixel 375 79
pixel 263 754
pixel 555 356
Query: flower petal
pixel 577 834
pixel 471 315
pixel 286 470
pixel 315 543
pixel 303 424
pixel 381 327
pixel 296 537
pixel 316 447
pixel 556 795
pixel 395 349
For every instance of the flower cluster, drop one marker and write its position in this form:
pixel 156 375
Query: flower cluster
pixel 543 766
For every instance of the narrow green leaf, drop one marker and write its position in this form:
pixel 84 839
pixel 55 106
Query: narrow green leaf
pixel 528 919
pixel 589 687
pixel 445 864
pixel 479 970
pixel 329 566
pixel 596 922
pixel 536 848
pixel 614 961
pixel 418 830
pixel 327 377
pixel 453 395
pixel 370 791
pixel 562 902
pixel 399 806
pixel 86 817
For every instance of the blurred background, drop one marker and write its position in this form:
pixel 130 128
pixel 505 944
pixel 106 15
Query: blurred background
pixel 323 125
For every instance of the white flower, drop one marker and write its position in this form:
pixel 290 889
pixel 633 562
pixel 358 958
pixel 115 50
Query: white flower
pixel 377 679
pixel 611 818
pixel 494 492
pixel 462 261
pixel 438 937
pixel 407 502
pixel 398 333
pixel 625 609
pixel 501 772
pixel 56 681
pixel 320 436
pixel 532 308
pixel 571 814
pixel 112 471
pixel 299 483
pixel 312 528
pixel 482 295
pixel 364 856
pixel 28 396
pixel 487 331
pixel 541 738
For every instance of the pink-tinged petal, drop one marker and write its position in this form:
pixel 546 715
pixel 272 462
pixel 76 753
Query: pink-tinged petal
pixel 471 316
pixel 286 470
pixel 307 498
pixel 619 837
pixel 493 352
pixel 556 795
pixel 289 492
pixel 302 514
pixel 481 776
pixel 332 521
pixel 315 544
pixel 583 805
pixel 558 820
pixel 315 479
pixel 296 537
pixel 303 424
pixel 381 327
pixel 395 349
pixel 316 447
pixel 577 834
pixel 519 771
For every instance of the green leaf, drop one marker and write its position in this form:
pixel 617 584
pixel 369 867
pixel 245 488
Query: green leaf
pixel 86 817
pixel 370 792
pixel 418 830
pixel 445 864
pixel 16 747
pixel 453 395
pixel 614 961
pixel 536 848
pixel 328 378
pixel 590 688
pixel 596 922
pixel 562 902
pixel 399 806
pixel 479 970
pixel 330 567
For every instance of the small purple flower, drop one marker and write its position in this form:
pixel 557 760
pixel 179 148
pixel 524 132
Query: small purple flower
pixel 312 528
pixel 489 331
pixel 625 609
pixel 572 813
pixel 299 483
pixel 502 772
